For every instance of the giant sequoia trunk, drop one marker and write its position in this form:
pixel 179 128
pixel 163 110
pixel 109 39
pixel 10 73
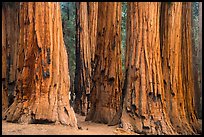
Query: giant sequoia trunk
pixel 85 49
pixel 105 97
pixel 159 87
pixel 43 78
pixel 177 70
pixel 144 109
pixel 10 35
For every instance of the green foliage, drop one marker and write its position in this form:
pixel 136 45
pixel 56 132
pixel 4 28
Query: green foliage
pixel 69 32
pixel 169 3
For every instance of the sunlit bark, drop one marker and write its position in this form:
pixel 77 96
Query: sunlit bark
pixel 43 78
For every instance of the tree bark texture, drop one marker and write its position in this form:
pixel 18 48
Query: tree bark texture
pixel 144 109
pixel 107 77
pixel 10 36
pixel 92 23
pixel 187 69
pixel 43 78
pixel 4 64
pixel 85 49
pixel 177 69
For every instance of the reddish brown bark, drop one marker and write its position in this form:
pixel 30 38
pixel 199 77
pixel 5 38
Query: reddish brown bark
pixel 92 21
pixel 144 109
pixel 176 55
pixel 158 86
pixel 105 97
pixel 187 71
pixel 43 78
pixel 85 51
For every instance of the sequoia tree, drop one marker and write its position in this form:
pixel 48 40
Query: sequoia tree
pixel 144 109
pixel 86 20
pixel 43 78
pixel 106 93
pixel 10 33
pixel 158 85
pixel 187 68
pixel 177 69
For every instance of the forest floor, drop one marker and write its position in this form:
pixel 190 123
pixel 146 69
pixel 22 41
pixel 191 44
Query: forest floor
pixel 86 128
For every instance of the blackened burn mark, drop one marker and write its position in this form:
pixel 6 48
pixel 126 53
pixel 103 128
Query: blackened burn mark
pixel 48 56
pixel 111 80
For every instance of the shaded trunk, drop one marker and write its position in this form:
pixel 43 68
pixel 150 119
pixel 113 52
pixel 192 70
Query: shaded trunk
pixel 10 35
pixel 144 109
pixel 85 49
pixel 4 63
pixel 43 78
pixel 107 77
pixel 83 67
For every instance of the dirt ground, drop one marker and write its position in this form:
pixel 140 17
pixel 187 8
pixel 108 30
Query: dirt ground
pixel 87 128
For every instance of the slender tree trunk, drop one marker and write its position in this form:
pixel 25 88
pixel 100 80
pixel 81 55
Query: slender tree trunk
pixel 105 97
pixel 43 78
pixel 85 49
